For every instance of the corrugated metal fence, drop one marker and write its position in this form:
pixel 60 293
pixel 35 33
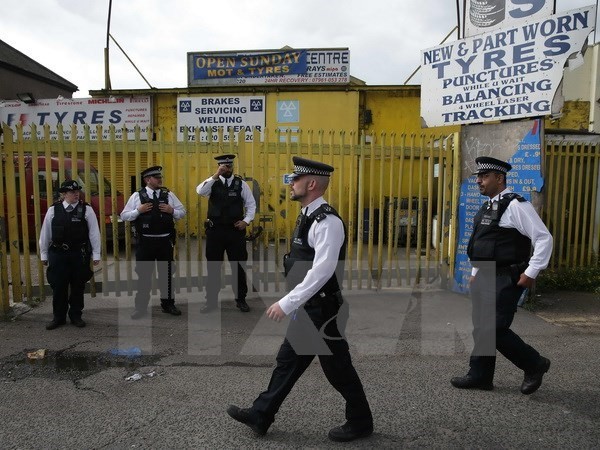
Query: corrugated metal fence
pixel 394 193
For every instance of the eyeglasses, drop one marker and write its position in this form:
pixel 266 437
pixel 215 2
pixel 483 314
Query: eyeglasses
pixel 157 176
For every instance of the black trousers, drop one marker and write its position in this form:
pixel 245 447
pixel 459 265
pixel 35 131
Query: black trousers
pixel 151 252
pixel 67 274
pixel 221 239
pixel 494 300
pixel 314 331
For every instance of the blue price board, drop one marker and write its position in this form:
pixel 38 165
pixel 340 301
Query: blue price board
pixel 524 178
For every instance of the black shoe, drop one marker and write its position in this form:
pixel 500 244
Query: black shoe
pixel 55 324
pixel 79 322
pixel 250 418
pixel 242 305
pixel 347 432
pixel 138 314
pixel 171 309
pixel 533 380
pixel 209 307
pixel 468 382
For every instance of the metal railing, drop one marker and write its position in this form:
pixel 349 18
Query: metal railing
pixel 572 206
pixel 395 194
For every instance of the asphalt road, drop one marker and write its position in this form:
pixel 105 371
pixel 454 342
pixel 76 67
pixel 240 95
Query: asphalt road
pixel 406 345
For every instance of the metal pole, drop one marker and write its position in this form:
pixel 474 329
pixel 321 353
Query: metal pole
pixel 132 63
pixel 458 22
pixel 107 85
pixel 444 40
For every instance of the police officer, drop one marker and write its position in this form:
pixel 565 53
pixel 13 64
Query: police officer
pixel 314 270
pixel 69 237
pixel 505 228
pixel 153 209
pixel 231 208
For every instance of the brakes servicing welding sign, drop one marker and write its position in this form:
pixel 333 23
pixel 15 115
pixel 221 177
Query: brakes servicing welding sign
pixel 505 74
pixel 229 115
pixel 125 113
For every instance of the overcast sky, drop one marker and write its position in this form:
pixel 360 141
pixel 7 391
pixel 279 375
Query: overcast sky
pixel 385 37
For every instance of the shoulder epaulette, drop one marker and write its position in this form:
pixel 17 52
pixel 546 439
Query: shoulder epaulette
pixel 512 196
pixel 322 211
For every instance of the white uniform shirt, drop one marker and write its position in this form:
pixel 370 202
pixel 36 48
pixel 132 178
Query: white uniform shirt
pixel 205 188
pixel 523 217
pixel 130 212
pixel 94 231
pixel 326 237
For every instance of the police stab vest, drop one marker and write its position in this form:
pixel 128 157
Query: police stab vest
pixel 299 260
pixel 225 204
pixel 490 242
pixel 70 227
pixel 154 222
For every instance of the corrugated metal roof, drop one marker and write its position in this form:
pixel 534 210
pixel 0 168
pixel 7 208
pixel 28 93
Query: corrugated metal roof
pixel 13 59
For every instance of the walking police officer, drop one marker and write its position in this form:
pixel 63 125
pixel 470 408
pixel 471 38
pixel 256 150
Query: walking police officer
pixel 231 208
pixel 314 270
pixel 69 238
pixel 153 209
pixel 504 230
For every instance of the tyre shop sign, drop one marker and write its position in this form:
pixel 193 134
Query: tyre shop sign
pixel 125 113
pixel 201 117
pixel 505 74
pixel 303 66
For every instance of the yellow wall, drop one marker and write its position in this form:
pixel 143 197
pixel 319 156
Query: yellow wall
pixel 575 116
pixel 164 113
pixel 398 111
pixel 318 110
pixel 336 110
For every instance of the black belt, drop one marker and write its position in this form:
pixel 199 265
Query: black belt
pixel 65 247
pixel 513 269
pixel 211 223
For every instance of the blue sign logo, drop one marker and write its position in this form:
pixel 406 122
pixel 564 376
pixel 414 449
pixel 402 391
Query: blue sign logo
pixel 288 111
pixel 185 106
pixel 256 105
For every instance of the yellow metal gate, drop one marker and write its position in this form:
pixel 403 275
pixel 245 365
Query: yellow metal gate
pixel 395 194
pixel 572 207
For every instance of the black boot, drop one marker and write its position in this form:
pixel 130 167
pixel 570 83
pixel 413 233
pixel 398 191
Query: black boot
pixel 468 382
pixel 253 419
pixel 242 305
